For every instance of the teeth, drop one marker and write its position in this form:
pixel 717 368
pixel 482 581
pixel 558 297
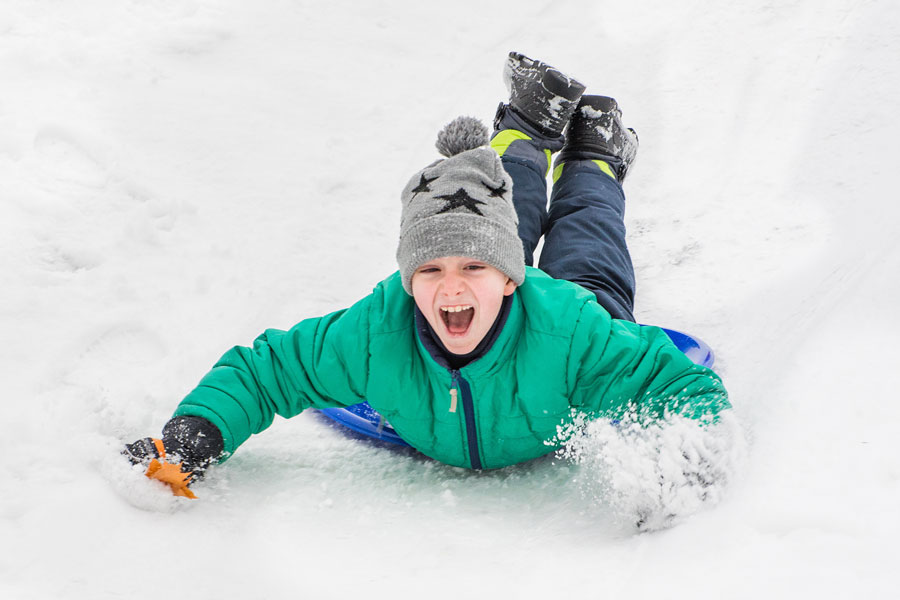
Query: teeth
pixel 454 308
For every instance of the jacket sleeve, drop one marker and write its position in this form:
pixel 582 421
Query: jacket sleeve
pixel 319 363
pixel 617 366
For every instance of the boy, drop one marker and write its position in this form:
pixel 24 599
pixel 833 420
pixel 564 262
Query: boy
pixel 474 358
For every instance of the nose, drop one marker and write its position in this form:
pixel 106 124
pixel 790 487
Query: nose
pixel 452 284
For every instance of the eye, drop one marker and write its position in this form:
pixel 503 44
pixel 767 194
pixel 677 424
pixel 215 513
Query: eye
pixel 476 267
pixel 427 270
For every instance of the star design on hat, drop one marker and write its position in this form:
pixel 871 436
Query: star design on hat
pixel 460 199
pixel 496 192
pixel 423 185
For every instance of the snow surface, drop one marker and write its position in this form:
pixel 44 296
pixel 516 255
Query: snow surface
pixel 177 176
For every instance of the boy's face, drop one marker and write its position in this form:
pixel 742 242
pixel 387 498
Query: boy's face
pixel 461 298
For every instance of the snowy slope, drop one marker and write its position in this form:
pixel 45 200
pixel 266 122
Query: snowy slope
pixel 177 176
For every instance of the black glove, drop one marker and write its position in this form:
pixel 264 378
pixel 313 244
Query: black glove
pixel 193 442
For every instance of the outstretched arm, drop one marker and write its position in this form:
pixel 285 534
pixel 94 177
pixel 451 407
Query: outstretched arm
pixel 320 362
pixel 664 442
pixel 618 367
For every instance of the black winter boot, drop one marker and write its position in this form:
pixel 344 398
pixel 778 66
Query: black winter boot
pixel 540 94
pixel 596 133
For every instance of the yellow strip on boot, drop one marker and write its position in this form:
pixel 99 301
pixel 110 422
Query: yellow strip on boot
pixel 604 166
pixel 557 171
pixel 500 142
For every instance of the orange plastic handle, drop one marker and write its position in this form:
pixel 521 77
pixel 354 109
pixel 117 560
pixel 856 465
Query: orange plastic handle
pixel 169 473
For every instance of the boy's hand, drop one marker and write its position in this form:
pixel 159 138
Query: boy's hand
pixel 187 447
pixel 152 452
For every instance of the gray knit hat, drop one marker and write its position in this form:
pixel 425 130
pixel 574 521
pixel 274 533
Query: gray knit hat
pixel 461 206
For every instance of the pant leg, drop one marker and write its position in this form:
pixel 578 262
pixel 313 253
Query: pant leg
pixel 530 202
pixel 585 239
pixel 525 155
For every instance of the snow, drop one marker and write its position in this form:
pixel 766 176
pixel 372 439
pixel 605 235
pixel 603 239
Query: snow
pixel 177 176
pixel 650 475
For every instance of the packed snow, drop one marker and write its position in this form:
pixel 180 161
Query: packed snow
pixel 177 176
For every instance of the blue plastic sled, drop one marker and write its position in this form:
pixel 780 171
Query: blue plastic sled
pixel 363 419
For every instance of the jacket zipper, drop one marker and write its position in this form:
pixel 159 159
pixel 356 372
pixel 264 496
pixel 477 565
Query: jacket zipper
pixel 457 382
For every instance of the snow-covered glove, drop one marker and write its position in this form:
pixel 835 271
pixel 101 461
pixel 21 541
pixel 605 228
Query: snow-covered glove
pixel 188 446
pixel 654 474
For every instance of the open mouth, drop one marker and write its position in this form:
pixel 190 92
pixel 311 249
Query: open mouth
pixel 457 318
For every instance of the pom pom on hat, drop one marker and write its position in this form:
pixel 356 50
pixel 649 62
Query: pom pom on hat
pixel 461 134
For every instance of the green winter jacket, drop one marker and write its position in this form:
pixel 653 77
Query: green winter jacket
pixel 558 351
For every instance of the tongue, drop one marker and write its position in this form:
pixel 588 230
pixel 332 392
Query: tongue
pixel 458 322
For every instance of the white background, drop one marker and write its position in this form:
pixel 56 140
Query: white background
pixel 177 176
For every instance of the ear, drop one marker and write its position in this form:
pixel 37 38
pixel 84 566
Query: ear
pixel 509 288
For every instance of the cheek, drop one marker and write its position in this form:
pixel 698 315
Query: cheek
pixel 491 301
pixel 421 303
pixel 421 296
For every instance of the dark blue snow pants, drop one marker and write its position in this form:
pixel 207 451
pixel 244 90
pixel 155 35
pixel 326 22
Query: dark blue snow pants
pixel 584 228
